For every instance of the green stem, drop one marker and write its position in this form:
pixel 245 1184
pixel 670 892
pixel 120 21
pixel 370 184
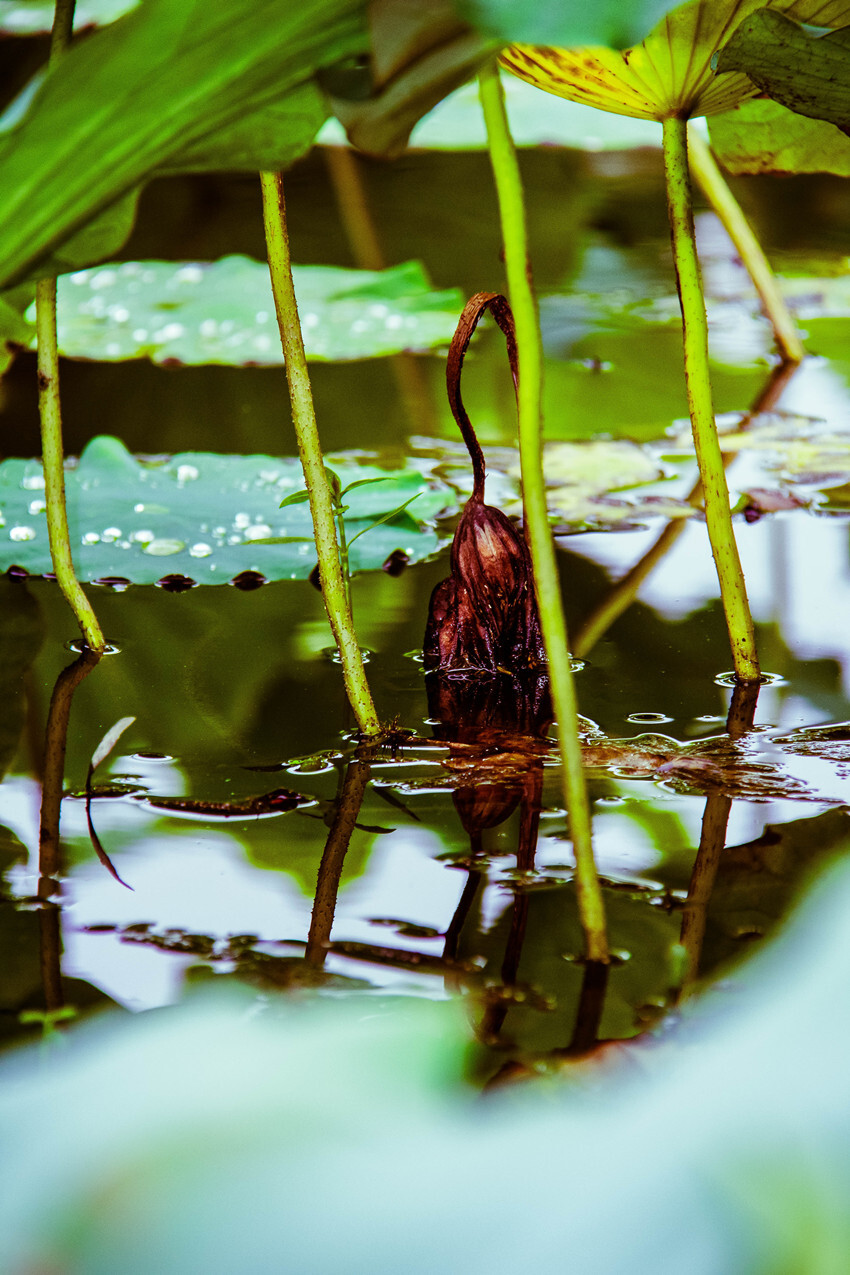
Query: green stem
pixel 547 583
pixel 310 451
pixel 724 203
pixel 50 411
pixel 718 516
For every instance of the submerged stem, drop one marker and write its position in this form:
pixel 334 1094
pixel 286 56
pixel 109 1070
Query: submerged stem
pixel 546 580
pixel 718 515
pixel 724 203
pixel 310 451
pixel 50 411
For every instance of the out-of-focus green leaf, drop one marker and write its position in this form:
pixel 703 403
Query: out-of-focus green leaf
pixel 419 52
pixel 223 312
pixel 163 81
pixel 765 137
pixel 202 515
pixel 808 73
pixel 565 22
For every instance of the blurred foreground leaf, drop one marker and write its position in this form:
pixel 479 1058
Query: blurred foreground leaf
pixel 221 1135
pixel 165 86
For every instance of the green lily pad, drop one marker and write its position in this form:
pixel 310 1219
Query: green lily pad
pixel 223 312
pixel 205 516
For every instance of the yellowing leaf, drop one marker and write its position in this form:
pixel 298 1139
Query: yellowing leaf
pixel 669 74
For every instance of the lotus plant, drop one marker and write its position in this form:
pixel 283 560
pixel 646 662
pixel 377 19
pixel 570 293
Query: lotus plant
pixel 669 78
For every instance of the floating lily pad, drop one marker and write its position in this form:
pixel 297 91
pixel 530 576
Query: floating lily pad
pixel 205 516
pixel 223 312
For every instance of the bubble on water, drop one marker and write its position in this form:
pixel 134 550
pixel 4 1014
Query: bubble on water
pixel 200 550
pixel 310 320
pixel 208 328
pixel 118 313
pixel 91 538
pixel 112 349
pixel 162 548
pixel 393 322
pixel 22 533
pixel 219 531
pixel 257 532
pixel 262 316
pixel 186 473
pixel 190 274
pixel 37 507
pixel 379 311
pixel 360 325
pixel 242 520
pixel 262 342
pixel 140 334
pixel 138 509
pixel 142 537
pixel 111 533
pixel 33 482
pixel 79 276
pixel 648 718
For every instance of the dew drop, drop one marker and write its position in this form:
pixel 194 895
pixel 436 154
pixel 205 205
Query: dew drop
pixel 164 547
pixel 190 274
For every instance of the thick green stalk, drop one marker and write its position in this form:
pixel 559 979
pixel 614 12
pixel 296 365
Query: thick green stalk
pixel 724 203
pixel 718 516
pixel 310 451
pixel 547 583
pixel 50 411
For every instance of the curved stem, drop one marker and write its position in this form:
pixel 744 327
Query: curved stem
pixel 718 516
pixel 716 190
pixel 310 451
pixel 547 583
pixel 50 411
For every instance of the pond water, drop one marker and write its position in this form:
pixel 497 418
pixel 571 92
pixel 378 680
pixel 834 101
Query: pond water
pixel 439 865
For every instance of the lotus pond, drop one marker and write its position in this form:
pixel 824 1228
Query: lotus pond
pixel 260 843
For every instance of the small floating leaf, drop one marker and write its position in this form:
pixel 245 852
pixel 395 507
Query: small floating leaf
pixel 223 312
pixel 209 517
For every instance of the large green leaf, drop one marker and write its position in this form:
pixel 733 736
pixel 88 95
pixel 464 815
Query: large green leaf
pixel 223 312
pixel 204 516
pixel 164 81
pixel 808 73
pixel 764 137
pixel 564 22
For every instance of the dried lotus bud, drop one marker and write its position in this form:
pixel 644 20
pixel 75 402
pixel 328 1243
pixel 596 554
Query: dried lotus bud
pixel 484 617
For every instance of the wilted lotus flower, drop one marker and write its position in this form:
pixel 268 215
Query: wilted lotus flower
pixel 484 617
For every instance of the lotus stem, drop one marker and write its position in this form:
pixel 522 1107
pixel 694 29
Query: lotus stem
pixel 716 190
pixel 50 411
pixel 508 183
pixel 310 452
pixel 718 515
